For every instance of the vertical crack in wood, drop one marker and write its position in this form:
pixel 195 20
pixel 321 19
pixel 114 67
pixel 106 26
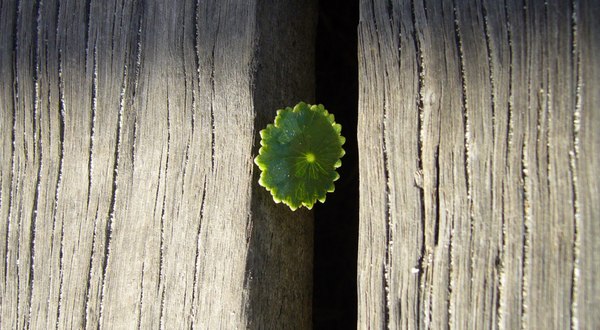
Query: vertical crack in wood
pixel 197 259
pixel 90 274
pixel 61 161
pixel 488 37
pixel 86 19
pixel 89 193
pixel 141 298
pixel 203 200
pixel 37 154
pixel 510 118
pixel 509 141
pixel 113 198
pixel 248 277
pixel 526 229
pixel 15 174
pixel 33 220
pixel 194 91
pixel 546 100
pixel 574 158
pixel 389 239
pixel 388 236
pixel 161 280
pixel 11 174
pixel 136 75
pixel 186 154
pixel 93 121
pixel 61 258
pixel 212 121
pixel 421 136
pixel 495 175
pixel 436 237
pixel 467 169
pixel 213 93
pixel 465 108
pixel 451 276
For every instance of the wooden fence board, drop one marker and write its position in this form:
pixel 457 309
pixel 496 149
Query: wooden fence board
pixel 471 153
pixel 129 196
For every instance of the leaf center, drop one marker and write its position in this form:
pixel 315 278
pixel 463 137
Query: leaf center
pixel 310 157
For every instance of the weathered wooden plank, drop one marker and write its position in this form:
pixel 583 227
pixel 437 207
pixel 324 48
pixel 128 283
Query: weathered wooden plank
pixel 128 193
pixel 586 158
pixel 492 132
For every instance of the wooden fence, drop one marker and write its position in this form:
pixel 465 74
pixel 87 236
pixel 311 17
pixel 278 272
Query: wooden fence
pixel 129 197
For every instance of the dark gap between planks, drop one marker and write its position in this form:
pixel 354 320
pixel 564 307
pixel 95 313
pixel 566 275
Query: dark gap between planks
pixel 336 221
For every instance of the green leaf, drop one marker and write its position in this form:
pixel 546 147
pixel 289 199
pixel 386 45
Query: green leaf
pixel 299 155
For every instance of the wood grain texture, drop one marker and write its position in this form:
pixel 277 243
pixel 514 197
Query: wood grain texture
pixel 587 162
pixel 128 193
pixel 479 187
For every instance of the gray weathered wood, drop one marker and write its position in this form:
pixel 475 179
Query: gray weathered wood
pixel 128 194
pixel 586 157
pixel 478 141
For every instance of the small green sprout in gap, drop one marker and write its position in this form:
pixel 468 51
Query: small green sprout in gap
pixel 299 155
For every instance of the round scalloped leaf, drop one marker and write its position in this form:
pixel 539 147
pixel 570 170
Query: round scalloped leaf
pixel 299 155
